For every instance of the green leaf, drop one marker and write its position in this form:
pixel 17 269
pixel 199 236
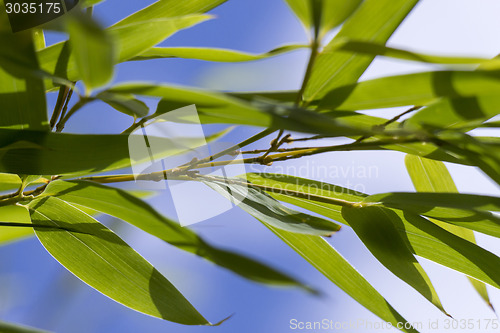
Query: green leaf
pixel 14 214
pixel 131 40
pixel 125 103
pixel 22 96
pixel 433 176
pixel 170 9
pixel 411 89
pixel 375 21
pixel 377 49
pixel 425 238
pixel 465 210
pixel 38 39
pixel 211 54
pixel 129 208
pixel 257 203
pixel 332 265
pixel 105 262
pixel 478 151
pixel 93 50
pixel 463 113
pixel 57 153
pixel 324 15
pixel 14 328
pixel 376 227
pixel 215 107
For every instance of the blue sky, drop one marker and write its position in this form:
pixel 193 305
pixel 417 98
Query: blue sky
pixel 37 291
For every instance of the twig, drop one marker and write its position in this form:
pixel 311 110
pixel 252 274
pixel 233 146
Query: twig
pixel 390 121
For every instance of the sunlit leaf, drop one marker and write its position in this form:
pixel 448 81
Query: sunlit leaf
pixel 264 208
pixel 129 208
pixel 375 20
pixel 323 15
pixel 22 97
pixel 102 260
pixel 93 50
pixel 14 214
pixel 211 54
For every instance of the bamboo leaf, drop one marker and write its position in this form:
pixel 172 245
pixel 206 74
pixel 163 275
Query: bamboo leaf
pixel 131 40
pixel 264 208
pixel 411 89
pixel 93 50
pixel 425 239
pixel 22 96
pixel 102 260
pixel 462 113
pixel 125 103
pixel 323 15
pixel 129 208
pixel 15 214
pixel 58 153
pixel 433 176
pixel 215 107
pixel 211 54
pixel 376 227
pixel 375 21
pixel 14 328
pixel 377 49
pixel 332 265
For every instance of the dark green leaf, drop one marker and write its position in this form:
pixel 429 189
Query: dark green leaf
pixel 433 176
pixel 411 89
pixel 92 49
pixel 264 208
pixel 323 14
pixel 375 21
pixel 378 229
pixel 126 103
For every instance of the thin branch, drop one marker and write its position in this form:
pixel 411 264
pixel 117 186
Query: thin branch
pixel 308 196
pixel 390 121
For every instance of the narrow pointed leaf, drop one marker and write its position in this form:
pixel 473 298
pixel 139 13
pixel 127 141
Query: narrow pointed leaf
pixel 93 50
pixel 411 89
pixel 14 328
pixel 376 227
pixel 14 214
pixel 211 54
pixel 333 266
pixel 323 14
pixel 131 39
pixel 377 49
pixel 425 238
pixel 105 262
pixel 433 176
pixel 22 96
pixel 125 103
pixel 375 20
pixel 129 208
pixel 264 208
pixel 216 107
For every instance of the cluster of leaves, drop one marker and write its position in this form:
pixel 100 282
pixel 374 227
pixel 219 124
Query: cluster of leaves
pixel 54 195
